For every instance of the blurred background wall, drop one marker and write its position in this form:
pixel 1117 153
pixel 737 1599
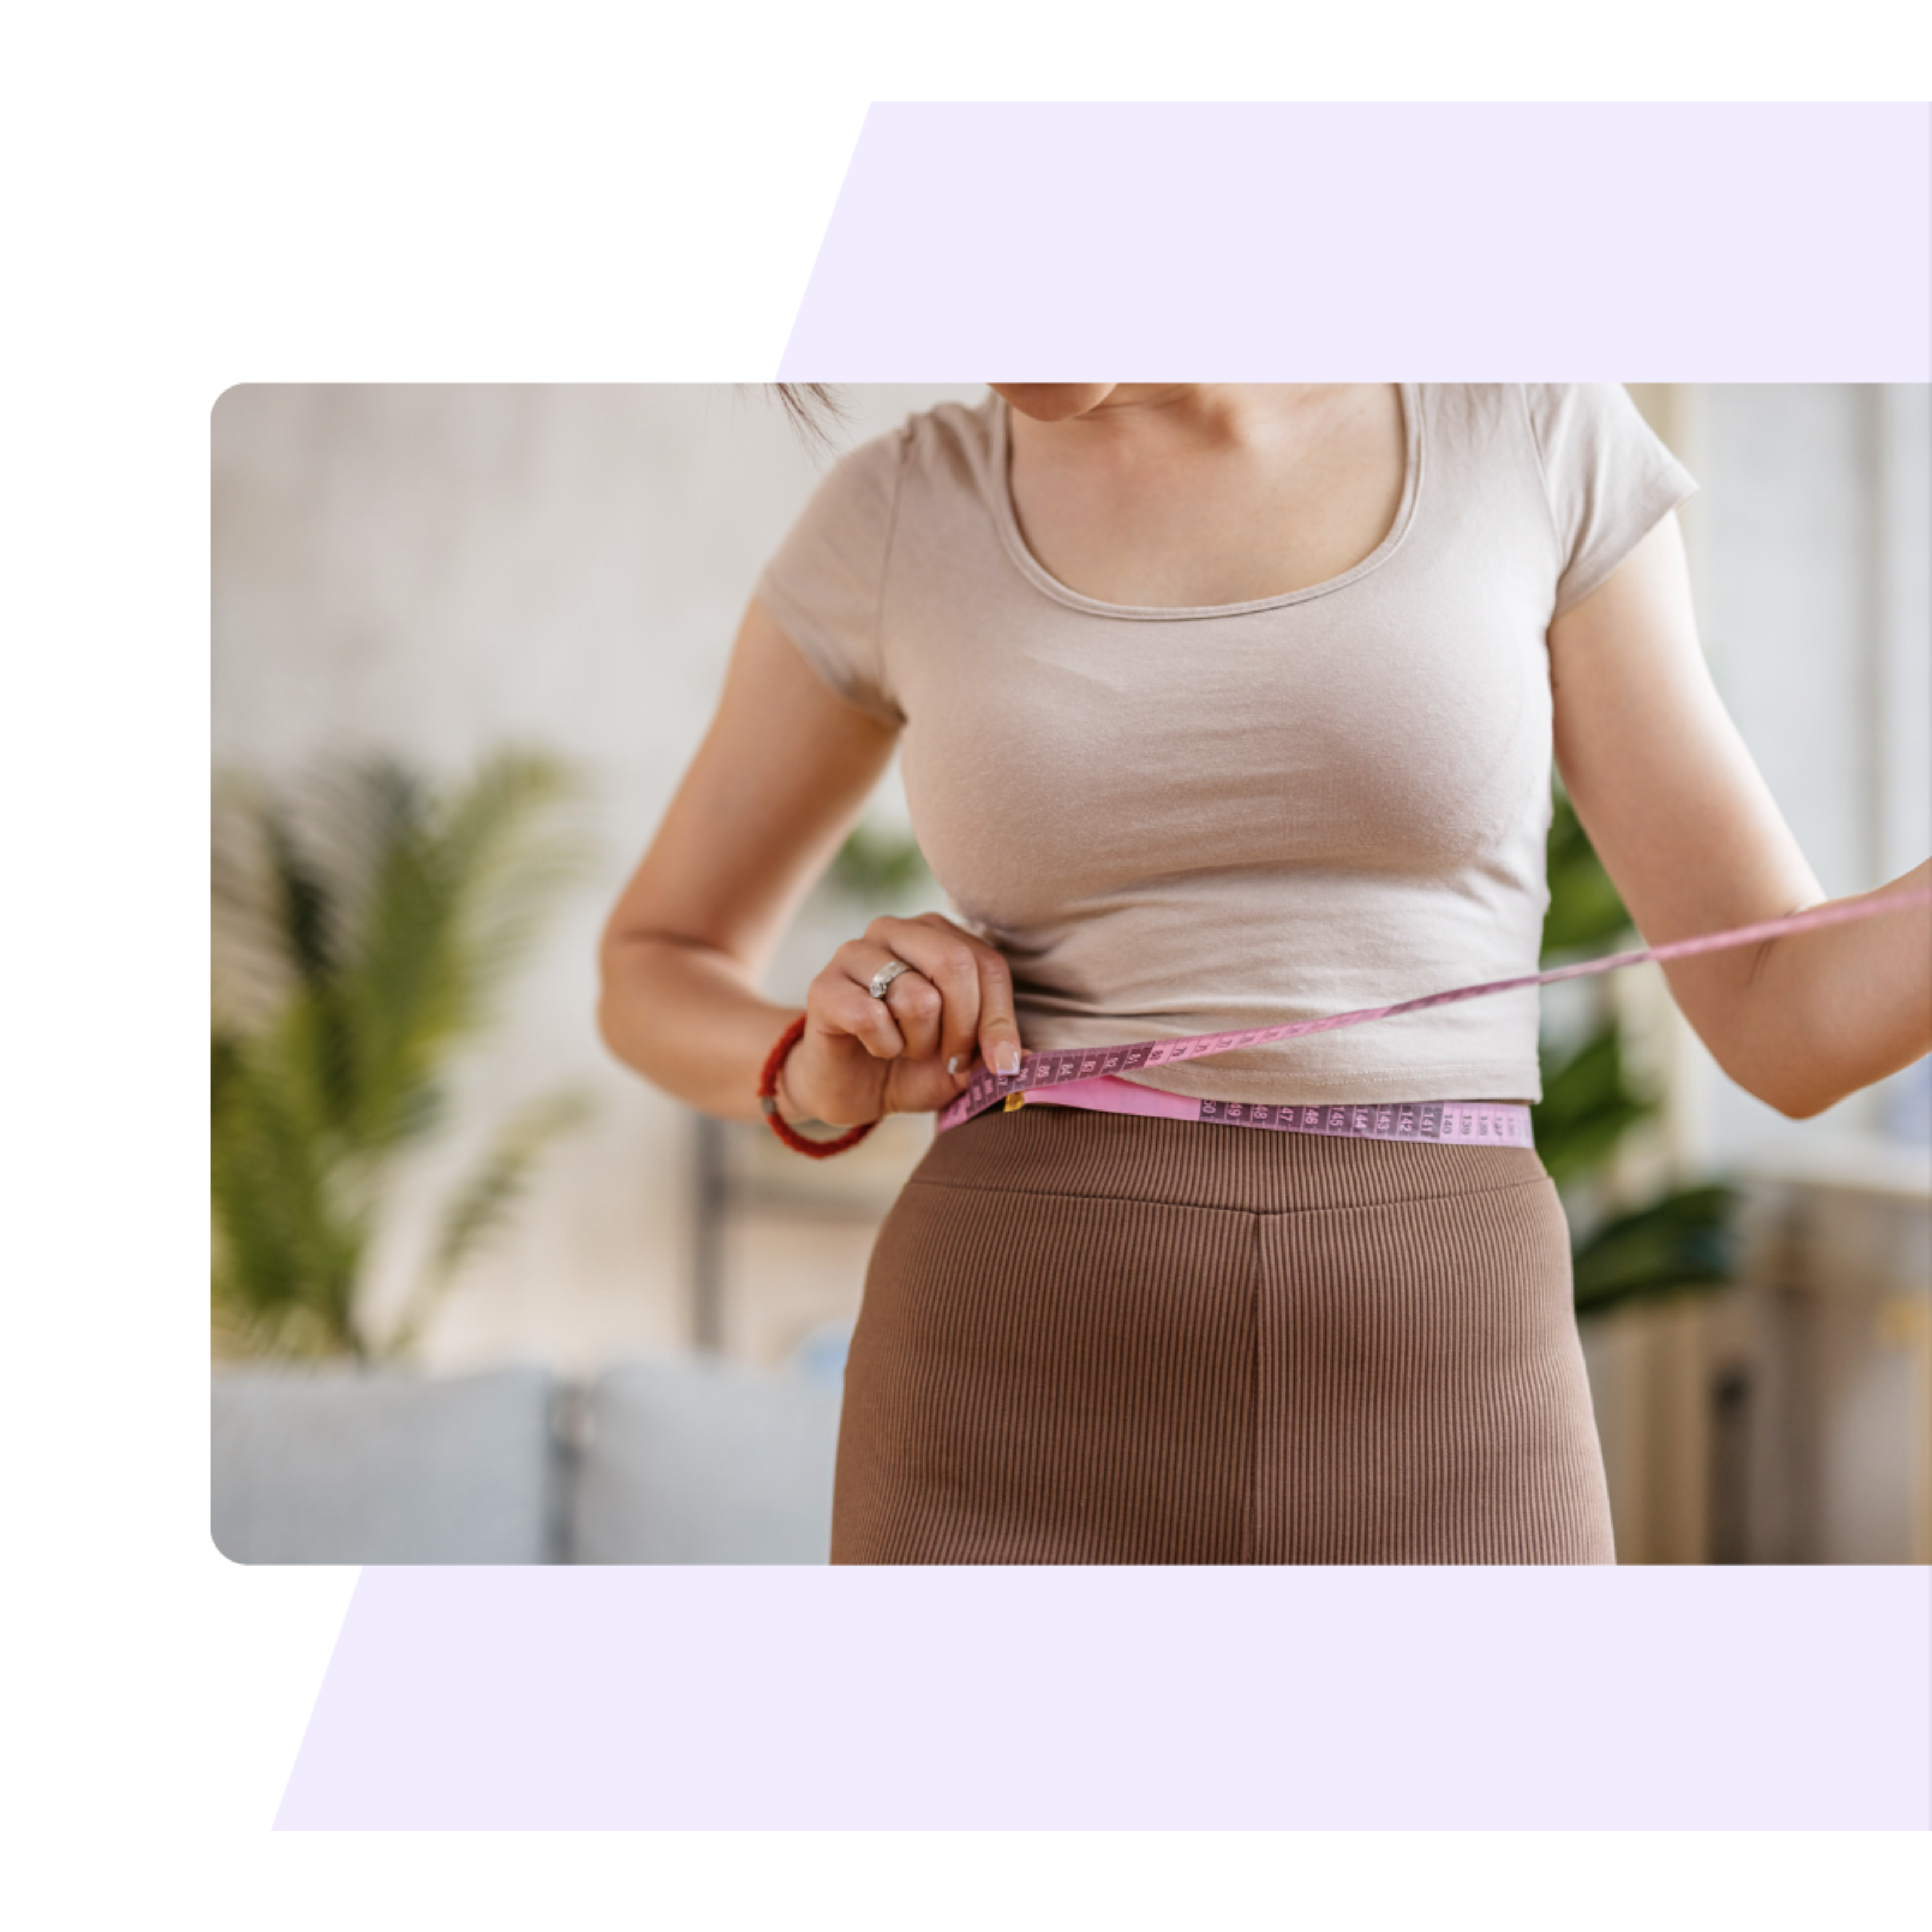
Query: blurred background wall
pixel 437 570
pixel 1788 1418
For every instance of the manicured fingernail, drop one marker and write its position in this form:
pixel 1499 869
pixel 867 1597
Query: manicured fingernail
pixel 1006 1057
pixel 952 1065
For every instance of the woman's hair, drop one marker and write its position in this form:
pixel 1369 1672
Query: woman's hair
pixel 812 408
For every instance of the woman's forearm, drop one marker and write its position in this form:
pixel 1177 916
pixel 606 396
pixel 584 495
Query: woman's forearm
pixel 774 787
pixel 1811 1018
pixel 688 1019
pixel 1689 831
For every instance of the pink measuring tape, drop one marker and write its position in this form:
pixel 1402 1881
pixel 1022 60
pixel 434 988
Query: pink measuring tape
pixel 1088 1077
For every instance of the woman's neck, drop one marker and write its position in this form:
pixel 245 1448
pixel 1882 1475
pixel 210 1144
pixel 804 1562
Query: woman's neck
pixel 1191 494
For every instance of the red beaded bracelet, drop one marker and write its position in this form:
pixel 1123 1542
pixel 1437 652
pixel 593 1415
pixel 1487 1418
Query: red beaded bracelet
pixel 768 1100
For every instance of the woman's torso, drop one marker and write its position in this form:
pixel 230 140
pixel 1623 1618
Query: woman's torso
pixel 1176 820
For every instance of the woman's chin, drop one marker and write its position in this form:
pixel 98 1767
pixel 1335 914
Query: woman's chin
pixel 1054 402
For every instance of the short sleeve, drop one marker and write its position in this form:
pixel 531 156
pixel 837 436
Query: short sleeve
pixel 825 585
pixel 1610 479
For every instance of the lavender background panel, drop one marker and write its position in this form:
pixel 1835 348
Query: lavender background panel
pixel 1719 243
pixel 1781 241
pixel 1102 1699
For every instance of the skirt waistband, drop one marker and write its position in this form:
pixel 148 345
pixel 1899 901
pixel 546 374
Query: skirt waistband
pixel 1484 1124
pixel 1071 1150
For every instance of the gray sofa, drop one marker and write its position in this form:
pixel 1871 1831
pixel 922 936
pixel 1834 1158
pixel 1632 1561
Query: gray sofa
pixel 675 1460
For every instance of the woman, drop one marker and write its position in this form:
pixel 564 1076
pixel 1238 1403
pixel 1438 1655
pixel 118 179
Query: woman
pixel 1222 706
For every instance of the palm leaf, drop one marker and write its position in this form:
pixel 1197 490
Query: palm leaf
pixel 1686 1240
pixel 1585 914
pixel 371 922
pixel 1587 1106
pixel 453 902
pixel 290 1232
pixel 482 1204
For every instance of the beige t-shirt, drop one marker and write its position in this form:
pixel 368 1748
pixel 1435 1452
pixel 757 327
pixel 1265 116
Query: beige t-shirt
pixel 1185 821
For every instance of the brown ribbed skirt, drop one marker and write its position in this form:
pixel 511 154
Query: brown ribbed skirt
pixel 1094 1338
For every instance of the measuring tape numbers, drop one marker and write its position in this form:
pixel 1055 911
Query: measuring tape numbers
pixel 1093 1077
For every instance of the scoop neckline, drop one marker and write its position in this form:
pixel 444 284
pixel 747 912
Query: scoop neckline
pixel 1007 521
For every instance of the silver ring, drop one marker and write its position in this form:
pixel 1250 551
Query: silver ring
pixel 885 976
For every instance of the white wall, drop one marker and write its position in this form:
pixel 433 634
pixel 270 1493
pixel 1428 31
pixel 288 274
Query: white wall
pixel 1810 540
pixel 435 570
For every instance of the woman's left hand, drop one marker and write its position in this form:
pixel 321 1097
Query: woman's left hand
pixel 912 1051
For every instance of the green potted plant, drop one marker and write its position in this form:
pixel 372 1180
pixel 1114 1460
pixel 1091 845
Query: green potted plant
pixel 365 921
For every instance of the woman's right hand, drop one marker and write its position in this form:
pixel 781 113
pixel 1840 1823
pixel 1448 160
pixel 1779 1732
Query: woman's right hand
pixel 781 775
pixel 912 1052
